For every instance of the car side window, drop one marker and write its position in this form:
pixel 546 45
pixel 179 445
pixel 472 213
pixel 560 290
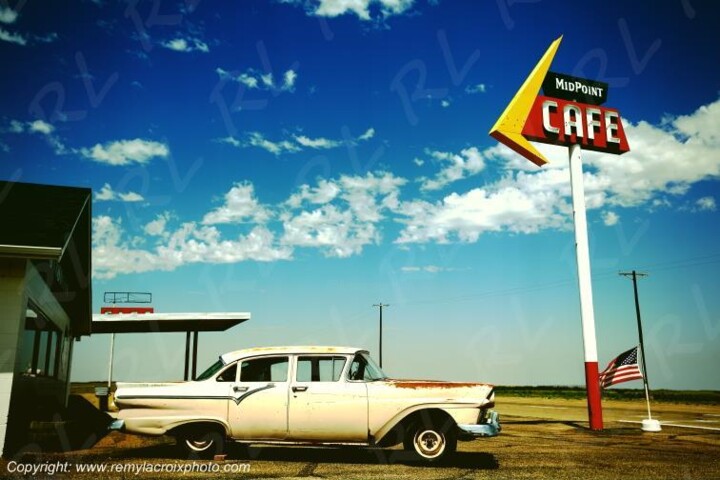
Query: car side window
pixel 319 368
pixel 229 374
pixel 265 369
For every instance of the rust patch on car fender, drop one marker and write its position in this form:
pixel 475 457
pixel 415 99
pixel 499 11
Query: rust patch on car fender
pixel 416 384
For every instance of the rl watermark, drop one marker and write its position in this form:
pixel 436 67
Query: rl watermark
pixel 133 468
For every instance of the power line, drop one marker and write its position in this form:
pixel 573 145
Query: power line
pixel 669 265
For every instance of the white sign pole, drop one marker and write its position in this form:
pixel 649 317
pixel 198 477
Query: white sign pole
pixel 587 314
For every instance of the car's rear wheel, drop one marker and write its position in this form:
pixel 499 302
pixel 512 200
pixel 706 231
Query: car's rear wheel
pixel 431 441
pixel 202 442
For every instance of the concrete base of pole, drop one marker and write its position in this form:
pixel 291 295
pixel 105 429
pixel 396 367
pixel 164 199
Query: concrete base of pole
pixel 650 425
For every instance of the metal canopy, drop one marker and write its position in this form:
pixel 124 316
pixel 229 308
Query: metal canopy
pixel 166 322
pixel 169 322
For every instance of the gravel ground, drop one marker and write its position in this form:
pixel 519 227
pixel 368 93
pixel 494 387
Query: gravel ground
pixel 541 438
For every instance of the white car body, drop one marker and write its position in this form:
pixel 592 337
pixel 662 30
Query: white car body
pixel 303 395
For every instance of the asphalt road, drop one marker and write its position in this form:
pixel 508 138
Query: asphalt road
pixel 540 439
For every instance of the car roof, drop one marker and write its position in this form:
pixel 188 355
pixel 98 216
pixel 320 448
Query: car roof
pixel 249 352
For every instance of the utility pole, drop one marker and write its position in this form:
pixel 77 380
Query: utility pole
pixel 653 425
pixel 380 306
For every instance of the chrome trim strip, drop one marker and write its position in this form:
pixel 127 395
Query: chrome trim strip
pixel 237 400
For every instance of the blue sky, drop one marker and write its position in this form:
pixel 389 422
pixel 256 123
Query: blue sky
pixel 302 160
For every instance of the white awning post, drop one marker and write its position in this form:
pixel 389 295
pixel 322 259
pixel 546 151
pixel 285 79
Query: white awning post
pixel 110 361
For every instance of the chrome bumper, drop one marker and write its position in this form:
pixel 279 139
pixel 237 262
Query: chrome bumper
pixel 490 428
pixel 118 425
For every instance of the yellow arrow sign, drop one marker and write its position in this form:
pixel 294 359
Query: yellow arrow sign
pixel 508 128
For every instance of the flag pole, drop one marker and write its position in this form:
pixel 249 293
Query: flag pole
pixel 648 425
pixel 647 389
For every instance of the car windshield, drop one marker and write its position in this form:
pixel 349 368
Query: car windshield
pixel 211 371
pixel 364 368
pixel 372 370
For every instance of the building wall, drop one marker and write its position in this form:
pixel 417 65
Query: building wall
pixel 13 304
pixel 36 354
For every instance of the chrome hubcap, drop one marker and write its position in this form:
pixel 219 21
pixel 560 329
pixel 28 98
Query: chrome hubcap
pixel 429 443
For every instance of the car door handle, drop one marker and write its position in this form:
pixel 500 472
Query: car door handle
pixel 299 389
pixel 240 389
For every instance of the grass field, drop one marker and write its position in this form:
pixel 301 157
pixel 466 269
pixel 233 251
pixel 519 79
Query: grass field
pixel 702 397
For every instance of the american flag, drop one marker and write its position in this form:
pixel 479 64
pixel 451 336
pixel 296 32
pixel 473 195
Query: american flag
pixel 623 369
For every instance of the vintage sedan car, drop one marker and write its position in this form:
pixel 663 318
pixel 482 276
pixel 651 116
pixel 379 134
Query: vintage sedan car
pixel 308 395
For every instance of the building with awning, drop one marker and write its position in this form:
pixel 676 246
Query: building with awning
pixel 45 297
pixel 46 304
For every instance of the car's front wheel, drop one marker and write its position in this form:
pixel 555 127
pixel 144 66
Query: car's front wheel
pixel 202 442
pixel 431 442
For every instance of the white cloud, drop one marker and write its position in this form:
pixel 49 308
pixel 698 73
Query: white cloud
pixel 348 224
pixel 478 88
pixel 256 139
pixel 130 197
pixel 247 80
pixel 231 141
pixel 47 38
pixel 240 206
pixel 16 126
pixel 267 80
pixel 113 254
pixel 289 80
pixel 107 194
pixel 325 192
pixel 156 228
pixel 426 269
pixel 186 45
pixel 341 216
pixel 455 167
pixel 361 8
pixel 331 229
pixel 261 81
pixel 36 126
pixel 663 163
pixel 610 218
pixel 418 161
pixel 466 216
pixel 41 126
pixel 369 133
pixel 445 103
pixel 7 14
pixel 10 37
pixel 126 152
pixel 318 143
pixel 24 40
pixel 706 204
pixel 296 144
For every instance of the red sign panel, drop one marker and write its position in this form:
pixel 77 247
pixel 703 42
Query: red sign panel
pixel 562 122
pixel 116 310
